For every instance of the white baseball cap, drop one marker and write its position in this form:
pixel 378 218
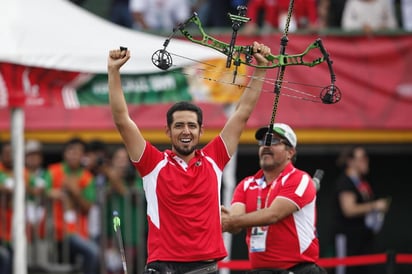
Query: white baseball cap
pixel 33 146
pixel 281 129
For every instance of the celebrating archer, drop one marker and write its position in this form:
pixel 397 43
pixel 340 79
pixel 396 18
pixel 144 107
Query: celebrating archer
pixel 182 185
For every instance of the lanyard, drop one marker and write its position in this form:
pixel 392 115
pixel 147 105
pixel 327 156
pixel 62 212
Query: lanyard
pixel 272 186
pixel 260 182
pixel 259 199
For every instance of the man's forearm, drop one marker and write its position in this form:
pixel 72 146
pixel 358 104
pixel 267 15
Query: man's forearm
pixel 116 98
pixel 257 218
pixel 251 94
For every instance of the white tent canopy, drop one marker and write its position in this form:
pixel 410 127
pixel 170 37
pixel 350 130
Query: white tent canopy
pixel 59 35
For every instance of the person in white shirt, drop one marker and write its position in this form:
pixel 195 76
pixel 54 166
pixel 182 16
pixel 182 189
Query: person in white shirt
pixel 369 16
pixel 159 15
pixel 406 9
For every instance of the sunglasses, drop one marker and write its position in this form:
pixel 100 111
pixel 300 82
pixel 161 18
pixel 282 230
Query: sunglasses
pixel 274 142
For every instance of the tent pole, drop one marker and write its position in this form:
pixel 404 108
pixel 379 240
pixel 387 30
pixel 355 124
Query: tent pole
pixel 18 224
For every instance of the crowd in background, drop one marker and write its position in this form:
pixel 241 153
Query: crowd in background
pixel 266 15
pixel 69 208
pixel 70 204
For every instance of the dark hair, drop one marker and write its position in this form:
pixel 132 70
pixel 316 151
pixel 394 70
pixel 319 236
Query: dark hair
pixel 75 141
pixel 181 106
pixel 4 144
pixel 96 145
pixel 295 156
pixel 347 154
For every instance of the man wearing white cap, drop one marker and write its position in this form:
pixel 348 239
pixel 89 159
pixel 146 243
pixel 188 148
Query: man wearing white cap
pixel 277 206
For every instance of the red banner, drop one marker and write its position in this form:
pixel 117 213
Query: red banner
pixel 32 86
pixel 373 74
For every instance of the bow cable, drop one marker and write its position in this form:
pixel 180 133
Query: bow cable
pixel 280 75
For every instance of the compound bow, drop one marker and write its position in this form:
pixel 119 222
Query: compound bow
pixel 238 55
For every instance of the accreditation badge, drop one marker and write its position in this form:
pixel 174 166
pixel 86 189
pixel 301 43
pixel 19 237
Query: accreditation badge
pixel 258 239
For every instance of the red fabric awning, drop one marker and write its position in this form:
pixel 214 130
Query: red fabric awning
pixel 373 74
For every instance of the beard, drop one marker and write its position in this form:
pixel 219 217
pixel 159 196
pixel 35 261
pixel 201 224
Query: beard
pixel 268 164
pixel 185 151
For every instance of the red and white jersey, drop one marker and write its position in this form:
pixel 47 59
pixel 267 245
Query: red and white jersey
pixel 183 203
pixel 292 240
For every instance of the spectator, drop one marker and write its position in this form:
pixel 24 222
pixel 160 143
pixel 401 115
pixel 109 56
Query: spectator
pixel 159 15
pixel 182 185
pixel 34 165
pixel 95 157
pixel 36 200
pixel 304 15
pixel 277 205
pixel 406 14
pixel 332 11
pixel 7 182
pixel 263 16
pixel 125 195
pixel 218 11
pixel 120 14
pixel 202 8
pixel 369 16
pixel 358 213
pixel 70 186
pixel 323 13
pixel 5 260
pixel 6 190
pixel 96 161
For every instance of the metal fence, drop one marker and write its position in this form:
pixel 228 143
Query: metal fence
pixel 46 254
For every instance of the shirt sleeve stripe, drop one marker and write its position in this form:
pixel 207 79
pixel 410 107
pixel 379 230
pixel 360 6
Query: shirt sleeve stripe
pixel 302 185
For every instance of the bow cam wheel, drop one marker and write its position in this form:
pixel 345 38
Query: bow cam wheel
pixel 162 59
pixel 330 94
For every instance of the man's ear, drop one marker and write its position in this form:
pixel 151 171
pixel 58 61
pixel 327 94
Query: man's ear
pixel 167 131
pixel 293 154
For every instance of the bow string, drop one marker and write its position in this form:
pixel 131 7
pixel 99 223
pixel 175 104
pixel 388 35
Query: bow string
pixel 243 55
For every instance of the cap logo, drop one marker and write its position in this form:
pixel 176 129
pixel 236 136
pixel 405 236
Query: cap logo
pixel 279 130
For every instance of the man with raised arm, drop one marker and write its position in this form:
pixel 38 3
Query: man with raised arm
pixel 182 185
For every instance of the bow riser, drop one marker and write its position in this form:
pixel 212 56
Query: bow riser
pixel 247 51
